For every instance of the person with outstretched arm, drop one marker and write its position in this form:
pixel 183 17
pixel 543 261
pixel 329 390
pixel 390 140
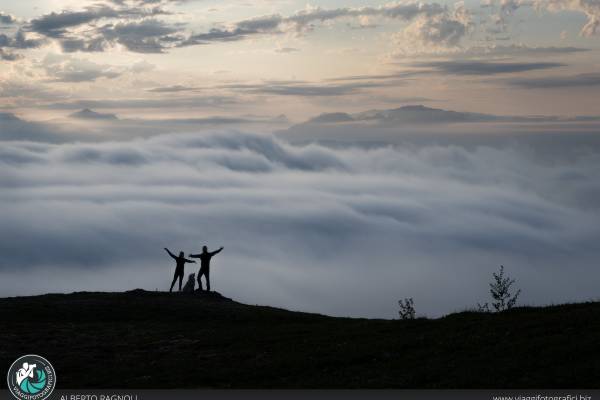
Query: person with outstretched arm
pixel 205 257
pixel 180 262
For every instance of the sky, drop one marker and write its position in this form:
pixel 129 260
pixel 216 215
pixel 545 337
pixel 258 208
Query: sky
pixel 347 154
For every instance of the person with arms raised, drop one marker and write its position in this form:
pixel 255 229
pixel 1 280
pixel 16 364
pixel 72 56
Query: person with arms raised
pixel 179 264
pixel 205 257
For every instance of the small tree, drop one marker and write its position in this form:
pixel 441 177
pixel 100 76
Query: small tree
pixel 500 289
pixel 407 308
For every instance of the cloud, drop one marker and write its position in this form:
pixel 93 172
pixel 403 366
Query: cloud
pixel 7 19
pixel 132 25
pixel 375 77
pixel 448 23
pixel 146 36
pixel 172 89
pixel 432 33
pixel 88 125
pixel 68 69
pixel 516 50
pixel 455 67
pixel 82 30
pixel 72 45
pixel 8 55
pixel 286 50
pixel 304 89
pixel 19 41
pixel 591 8
pixel 57 25
pixel 209 101
pixel 300 223
pixel 554 82
pixel 479 52
pixel 142 66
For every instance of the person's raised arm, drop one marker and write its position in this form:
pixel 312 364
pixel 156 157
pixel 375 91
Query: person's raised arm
pixel 171 254
pixel 189 261
pixel 194 255
pixel 216 252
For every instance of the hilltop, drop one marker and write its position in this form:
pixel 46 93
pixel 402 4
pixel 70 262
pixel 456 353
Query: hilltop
pixel 142 339
pixel 86 113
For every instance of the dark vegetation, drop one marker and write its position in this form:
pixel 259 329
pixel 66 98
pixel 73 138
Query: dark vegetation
pixel 502 296
pixel 146 340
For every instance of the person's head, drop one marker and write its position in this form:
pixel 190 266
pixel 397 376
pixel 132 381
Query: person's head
pixel 204 249
pixel 181 254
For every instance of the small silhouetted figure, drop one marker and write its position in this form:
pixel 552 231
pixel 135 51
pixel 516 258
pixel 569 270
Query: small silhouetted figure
pixel 205 257
pixel 180 262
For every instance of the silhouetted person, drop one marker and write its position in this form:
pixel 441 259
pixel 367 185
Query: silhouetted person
pixel 180 262
pixel 205 257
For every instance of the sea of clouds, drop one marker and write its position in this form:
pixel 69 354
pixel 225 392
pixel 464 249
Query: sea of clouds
pixel 342 230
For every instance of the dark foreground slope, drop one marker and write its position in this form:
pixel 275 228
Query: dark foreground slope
pixel 156 340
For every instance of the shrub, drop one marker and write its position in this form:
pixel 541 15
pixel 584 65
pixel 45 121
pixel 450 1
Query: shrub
pixel 500 289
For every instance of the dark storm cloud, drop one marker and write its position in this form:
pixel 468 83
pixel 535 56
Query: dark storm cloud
pixel 554 82
pixel 300 223
pixel 454 67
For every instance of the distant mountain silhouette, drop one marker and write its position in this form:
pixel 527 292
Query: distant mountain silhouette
pixel 15 128
pixel 413 114
pixel 86 113
pixel 7 117
pixel 422 115
pixel 332 117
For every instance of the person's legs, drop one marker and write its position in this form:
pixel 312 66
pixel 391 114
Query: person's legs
pixel 200 280
pixel 174 280
pixel 206 274
pixel 180 280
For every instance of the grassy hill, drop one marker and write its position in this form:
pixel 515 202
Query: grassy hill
pixel 147 340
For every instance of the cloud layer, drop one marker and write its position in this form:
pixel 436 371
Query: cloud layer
pixel 343 230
